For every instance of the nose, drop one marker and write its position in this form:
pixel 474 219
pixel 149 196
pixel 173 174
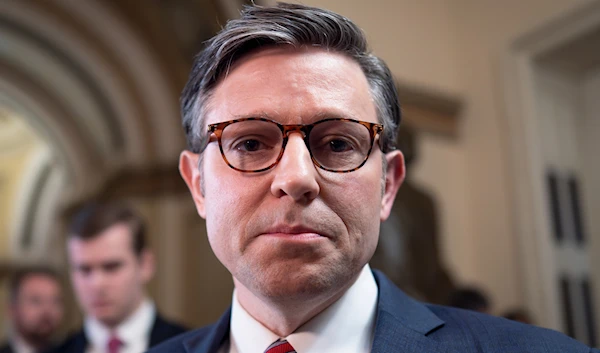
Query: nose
pixel 96 281
pixel 295 174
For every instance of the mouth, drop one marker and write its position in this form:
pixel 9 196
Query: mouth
pixel 100 304
pixel 300 233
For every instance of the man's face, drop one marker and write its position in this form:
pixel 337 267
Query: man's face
pixel 37 310
pixel 295 230
pixel 107 275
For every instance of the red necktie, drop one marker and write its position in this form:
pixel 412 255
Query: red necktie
pixel 280 346
pixel 114 344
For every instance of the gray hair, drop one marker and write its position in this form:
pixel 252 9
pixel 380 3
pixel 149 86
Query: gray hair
pixel 296 26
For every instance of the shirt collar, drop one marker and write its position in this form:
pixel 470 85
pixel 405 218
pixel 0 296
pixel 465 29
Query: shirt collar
pixel 20 346
pixel 345 326
pixel 137 325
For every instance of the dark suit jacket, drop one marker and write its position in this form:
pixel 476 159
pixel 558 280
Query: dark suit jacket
pixel 406 326
pixel 6 348
pixel 162 330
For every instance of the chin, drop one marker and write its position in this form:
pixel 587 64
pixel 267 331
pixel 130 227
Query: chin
pixel 107 319
pixel 292 282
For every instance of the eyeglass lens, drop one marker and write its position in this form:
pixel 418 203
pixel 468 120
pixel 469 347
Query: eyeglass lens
pixel 336 145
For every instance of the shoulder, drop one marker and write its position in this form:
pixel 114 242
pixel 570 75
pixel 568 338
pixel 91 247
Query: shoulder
pixel 76 342
pixel 6 348
pixel 177 343
pixel 165 326
pixel 487 333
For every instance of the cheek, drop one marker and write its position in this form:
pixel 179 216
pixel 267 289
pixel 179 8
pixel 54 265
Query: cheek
pixel 225 224
pixel 129 276
pixel 79 283
pixel 358 204
pixel 25 312
pixel 231 201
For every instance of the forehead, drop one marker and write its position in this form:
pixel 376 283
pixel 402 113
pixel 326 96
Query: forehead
pixel 113 243
pixel 38 279
pixel 293 85
pixel 38 283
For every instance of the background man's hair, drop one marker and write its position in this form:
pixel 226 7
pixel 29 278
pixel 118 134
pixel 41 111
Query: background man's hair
pixel 91 220
pixel 292 25
pixel 21 274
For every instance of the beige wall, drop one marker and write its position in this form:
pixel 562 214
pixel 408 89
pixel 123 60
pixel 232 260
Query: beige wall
pixel 487 30
pixel 458 47
pixel 590 130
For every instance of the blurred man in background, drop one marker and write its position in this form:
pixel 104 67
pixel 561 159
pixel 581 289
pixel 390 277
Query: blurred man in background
pixel 111 264
pixel 35 310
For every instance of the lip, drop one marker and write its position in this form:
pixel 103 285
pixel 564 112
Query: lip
pixel 294 232
pixel 100 304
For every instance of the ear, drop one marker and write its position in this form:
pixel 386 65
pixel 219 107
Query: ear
pixel 394 177
pixel 188 168
pixel 148 265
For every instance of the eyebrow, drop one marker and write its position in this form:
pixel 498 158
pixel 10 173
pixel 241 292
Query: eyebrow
pixel 317 117
pixel 103 265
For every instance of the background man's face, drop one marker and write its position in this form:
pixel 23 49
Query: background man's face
pixel 37 311
pixel 108 277
pixel 248 214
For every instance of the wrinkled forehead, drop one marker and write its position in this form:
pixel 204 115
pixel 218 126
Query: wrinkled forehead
pixel 292 85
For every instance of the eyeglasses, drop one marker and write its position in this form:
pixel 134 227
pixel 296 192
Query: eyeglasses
pixel 256 144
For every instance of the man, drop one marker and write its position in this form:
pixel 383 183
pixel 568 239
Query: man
pixel 35 309
pixel 111 264
pixel 290 124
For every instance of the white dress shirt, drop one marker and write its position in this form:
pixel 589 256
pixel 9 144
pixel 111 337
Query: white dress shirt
pixel 20 346
pixel 134 332
pixel 347 326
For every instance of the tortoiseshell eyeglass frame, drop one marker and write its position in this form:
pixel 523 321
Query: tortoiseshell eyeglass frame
pixel 375 130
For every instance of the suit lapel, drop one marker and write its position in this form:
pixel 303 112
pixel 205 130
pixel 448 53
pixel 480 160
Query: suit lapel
pixel 155 333
pixel 213 339
pixel 403 324
pixel 7 348
pixel 391 336
pixel 80 342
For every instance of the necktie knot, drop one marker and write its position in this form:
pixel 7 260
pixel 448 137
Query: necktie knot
pixel 280 346
pixel 114 344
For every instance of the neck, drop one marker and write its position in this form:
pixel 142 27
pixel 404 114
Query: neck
pixel 283 316
pixel 113 324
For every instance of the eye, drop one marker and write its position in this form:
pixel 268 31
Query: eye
pixel 340 145
pixel 84 270
pixel 112 266
pixel 249 145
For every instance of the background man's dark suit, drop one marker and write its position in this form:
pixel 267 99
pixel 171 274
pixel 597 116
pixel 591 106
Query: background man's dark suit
pixel 407 326
pixel 162 330
pixel 7 348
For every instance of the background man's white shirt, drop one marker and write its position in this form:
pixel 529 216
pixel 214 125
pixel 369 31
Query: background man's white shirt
pixel 133 332
pixel 20 346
